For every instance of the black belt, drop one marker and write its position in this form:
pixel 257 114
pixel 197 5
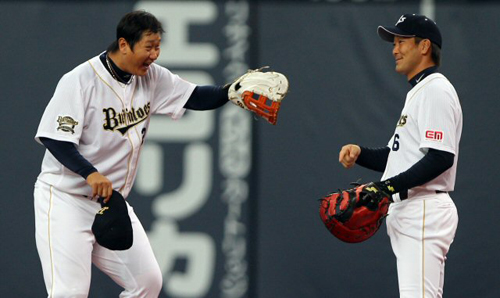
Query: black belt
pixel 403 195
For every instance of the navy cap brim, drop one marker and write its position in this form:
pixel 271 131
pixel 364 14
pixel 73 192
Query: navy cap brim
pixel 387 33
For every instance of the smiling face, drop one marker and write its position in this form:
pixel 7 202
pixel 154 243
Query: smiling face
pixel 407 56
pixel 411 57
pixel 137 60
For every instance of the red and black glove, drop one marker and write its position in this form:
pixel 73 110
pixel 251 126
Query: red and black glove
pixel 355 214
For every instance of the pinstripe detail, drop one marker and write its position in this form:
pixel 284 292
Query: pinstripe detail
pixel 132 145
pixel 50 244
pixel 104 81
pixel 123 106
pixel 423 253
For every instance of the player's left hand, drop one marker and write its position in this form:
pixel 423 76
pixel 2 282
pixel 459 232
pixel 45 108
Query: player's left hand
pixel 260 92
pixel 374 192
pixel 101 186
pixel 354 215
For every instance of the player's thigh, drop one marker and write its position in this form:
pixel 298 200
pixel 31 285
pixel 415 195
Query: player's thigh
pixel 441 226
pixel 433 221
pixel 421 233
pixel 136 268
pixel 64 240
pixel 442 221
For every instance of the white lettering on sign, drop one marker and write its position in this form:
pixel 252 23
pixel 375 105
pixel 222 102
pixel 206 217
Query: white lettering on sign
pixel 193 130
pixel 235 158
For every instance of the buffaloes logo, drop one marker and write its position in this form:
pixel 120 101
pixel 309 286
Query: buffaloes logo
pixel 67 124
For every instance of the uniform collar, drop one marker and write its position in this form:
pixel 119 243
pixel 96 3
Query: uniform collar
pixel 122 76
pixel 421 75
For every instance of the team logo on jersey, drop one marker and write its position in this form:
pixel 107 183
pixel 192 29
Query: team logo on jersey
pixel 126 119
pixel 67 124
pixel 434 135
pixel 402 120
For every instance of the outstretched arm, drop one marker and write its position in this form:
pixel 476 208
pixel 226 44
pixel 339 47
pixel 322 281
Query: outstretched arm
pixel 207 98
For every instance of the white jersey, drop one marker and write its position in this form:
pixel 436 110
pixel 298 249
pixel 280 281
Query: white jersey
pixel 107 121
pixel 431 118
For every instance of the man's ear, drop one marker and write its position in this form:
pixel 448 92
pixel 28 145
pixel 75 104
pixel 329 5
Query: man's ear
pixel 425 46
pixel 123 45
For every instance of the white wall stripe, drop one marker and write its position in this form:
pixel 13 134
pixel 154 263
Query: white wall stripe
pixel 428 8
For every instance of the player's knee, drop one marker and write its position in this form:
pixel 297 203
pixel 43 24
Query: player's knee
pixel 148 285
pixel 154 283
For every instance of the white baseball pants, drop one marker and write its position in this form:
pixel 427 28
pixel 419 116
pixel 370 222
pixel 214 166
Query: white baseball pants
pixel 421 230
pixel 67 249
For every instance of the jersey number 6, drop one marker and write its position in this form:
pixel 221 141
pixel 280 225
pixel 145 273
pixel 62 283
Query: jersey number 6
pixel 395 145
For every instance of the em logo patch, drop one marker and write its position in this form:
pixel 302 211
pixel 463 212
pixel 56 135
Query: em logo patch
pixel 67 124
pixel 434 135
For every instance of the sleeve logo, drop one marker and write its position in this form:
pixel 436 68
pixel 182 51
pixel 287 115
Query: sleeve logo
pixel 66 124
pixel 434 135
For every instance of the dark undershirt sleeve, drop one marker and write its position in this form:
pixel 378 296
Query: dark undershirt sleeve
pixel 433 164
pixel 373 158
pixel 66 154
pixel 207 98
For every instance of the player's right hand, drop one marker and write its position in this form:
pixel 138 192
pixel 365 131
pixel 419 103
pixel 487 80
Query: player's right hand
pixel 101 186
pixel 348 155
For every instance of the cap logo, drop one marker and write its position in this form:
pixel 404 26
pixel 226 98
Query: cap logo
pixel 401 19
pixel 101 211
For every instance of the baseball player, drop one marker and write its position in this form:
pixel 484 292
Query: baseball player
pixel 419 163
pixel 93 128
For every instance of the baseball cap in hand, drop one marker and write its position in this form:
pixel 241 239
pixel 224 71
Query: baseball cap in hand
pixel 412 25
pixel 112 227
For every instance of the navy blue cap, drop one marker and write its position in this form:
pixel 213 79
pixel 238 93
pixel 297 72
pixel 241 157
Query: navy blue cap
pixel 112 227
pixel 412 25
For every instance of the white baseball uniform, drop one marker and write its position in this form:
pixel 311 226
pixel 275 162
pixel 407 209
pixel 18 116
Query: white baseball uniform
pixel 422 227
pixel 107 121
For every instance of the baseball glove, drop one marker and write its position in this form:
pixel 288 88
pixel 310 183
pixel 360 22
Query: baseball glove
pixel 355 214
pixel 259 92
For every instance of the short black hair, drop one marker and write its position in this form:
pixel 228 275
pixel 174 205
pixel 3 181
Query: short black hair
pixel 132 26
pixel 435 51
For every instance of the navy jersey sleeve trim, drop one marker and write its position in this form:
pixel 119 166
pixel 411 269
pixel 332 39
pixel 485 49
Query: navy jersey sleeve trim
pixel 66 154
pixel 433 164
pixel 207 98
pixel 373 158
